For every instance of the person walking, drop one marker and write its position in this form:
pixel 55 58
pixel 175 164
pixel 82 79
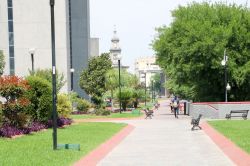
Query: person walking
pixel 176 104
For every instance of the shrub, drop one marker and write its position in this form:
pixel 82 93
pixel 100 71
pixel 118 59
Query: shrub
pixel 12 88
pixel 60 122
pixel 64 106
pixel 83 105
pixel 126 96
pixel 9 131
pixel 47 75
pixel 102 111
pixel 1 113
pixel 40 95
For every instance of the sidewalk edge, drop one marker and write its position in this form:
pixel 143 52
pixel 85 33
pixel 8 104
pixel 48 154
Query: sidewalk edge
pixel 237 155
pixel 100 152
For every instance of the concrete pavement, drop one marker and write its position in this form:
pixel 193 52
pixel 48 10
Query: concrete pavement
pixel 165 141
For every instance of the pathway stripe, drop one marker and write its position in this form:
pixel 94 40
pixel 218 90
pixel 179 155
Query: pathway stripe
pixel 237 155
pixel 99 153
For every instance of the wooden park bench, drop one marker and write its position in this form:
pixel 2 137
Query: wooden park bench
pixel 196 122
pixel 237 113
pixel 149 113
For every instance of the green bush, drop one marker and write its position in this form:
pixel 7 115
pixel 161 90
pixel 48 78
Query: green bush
pixel 13 88
pixel 46 74
pixel 83 105
pixel 126 96
pixel 40 95
pixel 102 111
pixel 64 106
pixel 1 114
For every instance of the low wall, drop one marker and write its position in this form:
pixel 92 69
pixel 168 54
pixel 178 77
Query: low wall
pixel 217 110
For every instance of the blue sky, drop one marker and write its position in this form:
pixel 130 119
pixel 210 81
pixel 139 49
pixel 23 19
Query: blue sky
pixel 135 22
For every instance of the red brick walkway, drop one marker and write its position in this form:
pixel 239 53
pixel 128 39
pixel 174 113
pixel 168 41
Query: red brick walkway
pixel 238 156
pixel 96 155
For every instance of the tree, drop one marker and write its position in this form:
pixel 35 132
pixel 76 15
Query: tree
pixel 157 82
pixel 190 51
pixel 92 79
pixel 2 63
pixel 126 96
pixel 127 80
pixel 47 75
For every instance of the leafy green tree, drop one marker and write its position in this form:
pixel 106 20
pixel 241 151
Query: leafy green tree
pixel 190 51
pixel 47 75
pixel 92 79
pixel 137 95
pixel 127 80
pixel 2 63
pixel 157 82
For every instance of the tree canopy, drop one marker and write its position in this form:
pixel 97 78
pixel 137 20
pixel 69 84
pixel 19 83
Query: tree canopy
pixel 2 63
pixel 92 79
pixel 190 51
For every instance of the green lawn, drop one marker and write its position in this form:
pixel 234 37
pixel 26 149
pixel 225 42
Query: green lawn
pixel 36 149
pixel 113 115
pixel 236 130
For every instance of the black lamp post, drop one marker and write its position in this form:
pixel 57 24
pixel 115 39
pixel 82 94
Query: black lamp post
pixel 145 87
pixel 54 97
pixel 152 90
pixel 32 52
pixel 226 84
pixel 118 57
pixel 72 70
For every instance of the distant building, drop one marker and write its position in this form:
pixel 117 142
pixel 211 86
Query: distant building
pixel 115 51
pixel 25 34
pixel 148 66
pixel 94 47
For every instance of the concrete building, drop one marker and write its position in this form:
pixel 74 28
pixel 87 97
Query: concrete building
pixel 147 66
pixel 25 35
pixel 94 47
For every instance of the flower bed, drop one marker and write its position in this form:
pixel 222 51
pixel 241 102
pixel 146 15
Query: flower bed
pixel 10 131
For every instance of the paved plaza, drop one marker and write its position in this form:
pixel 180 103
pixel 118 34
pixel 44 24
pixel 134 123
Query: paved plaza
pixel 164 141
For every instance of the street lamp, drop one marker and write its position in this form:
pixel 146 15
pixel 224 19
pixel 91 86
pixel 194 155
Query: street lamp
pixel 54 97
pixel 145 76
pixel 72 70
pixel 32 52
pixel 152 84
pixel 224 63
pixel 119 57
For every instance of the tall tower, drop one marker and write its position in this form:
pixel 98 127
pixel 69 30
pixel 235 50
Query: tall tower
pixel 115 49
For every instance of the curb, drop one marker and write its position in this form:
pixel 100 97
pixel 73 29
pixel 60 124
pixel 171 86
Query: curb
pixel 237 155
pixel 106 119
pixel 100 152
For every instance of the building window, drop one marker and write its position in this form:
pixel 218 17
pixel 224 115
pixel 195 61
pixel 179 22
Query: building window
pixel 11 38
pixel 9 3
pixel 10 24
pixel 10 14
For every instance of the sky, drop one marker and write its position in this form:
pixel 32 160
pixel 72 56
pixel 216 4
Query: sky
pixel 135 22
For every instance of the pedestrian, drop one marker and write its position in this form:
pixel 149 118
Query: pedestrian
pixel 176 104
pixel 171 105
pixel 156 105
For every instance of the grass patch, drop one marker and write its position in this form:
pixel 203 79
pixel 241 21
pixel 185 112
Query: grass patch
pixel 236 130
pixel 113 115
pixel 36 149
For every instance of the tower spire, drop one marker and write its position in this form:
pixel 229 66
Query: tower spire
pixel 115 49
